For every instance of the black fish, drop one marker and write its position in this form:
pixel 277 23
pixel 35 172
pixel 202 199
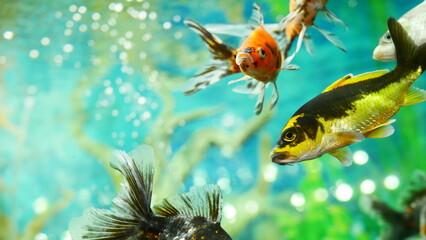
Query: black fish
pixel 194 215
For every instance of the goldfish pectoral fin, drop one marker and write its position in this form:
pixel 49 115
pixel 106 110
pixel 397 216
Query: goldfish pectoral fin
pixel 275 96
pixel 131 210
pixel 199 202
pixel 329 16
pixel 259 103
pixel 291 67
pixel 309 44
pixel 381 131
pixel 414 95
pixel 344 155
pixel 213 73
pixel 332 38
pixel 243 78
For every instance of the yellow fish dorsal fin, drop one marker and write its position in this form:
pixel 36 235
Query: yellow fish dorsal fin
pixel 350 79
pixel 338 82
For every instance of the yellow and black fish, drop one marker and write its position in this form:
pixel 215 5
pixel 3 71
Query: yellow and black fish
pixel 354 107
pixel 195 215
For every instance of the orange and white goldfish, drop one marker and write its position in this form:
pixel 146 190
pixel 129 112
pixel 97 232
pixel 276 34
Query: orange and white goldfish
pixel 302 16
pixel 258 57
pixel 414 21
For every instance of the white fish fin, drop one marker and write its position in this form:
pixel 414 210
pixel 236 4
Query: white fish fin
pixel 329 16
pixel 344 155
pixel 332 38
pixel 285 20
pixel 131 207
pixel 213 73
pixel 202 202
pixel 275 95
pixel 256 18
pixel 236 30
pixel 309 44
pixel 382 131
pixel 414 95
pixel 291 67
pixel 243 78
pixel 260 98
pixel 253 87
pixel 288 60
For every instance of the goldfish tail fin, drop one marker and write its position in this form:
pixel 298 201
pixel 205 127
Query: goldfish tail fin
pixel 256 18
pixel 329 16
pixel 131 213
pixel 332 38
pixel 408 54
pixel 202 202
pixel 221 65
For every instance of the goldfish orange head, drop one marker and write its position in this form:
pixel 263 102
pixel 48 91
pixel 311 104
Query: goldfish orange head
pixel 259 56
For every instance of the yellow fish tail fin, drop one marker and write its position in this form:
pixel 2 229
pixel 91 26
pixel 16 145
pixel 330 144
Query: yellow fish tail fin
pixel 414 95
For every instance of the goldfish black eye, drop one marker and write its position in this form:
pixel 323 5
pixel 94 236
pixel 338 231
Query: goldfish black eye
pixel 289 135
pixel 261 52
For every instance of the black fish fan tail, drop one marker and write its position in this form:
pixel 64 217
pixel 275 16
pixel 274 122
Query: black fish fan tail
pixel 408 54
pixel 202 202
pixel 131 215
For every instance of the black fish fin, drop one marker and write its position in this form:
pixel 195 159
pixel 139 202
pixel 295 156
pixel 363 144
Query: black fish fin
pixel 131 207
pixel 203 202
pixel 408 54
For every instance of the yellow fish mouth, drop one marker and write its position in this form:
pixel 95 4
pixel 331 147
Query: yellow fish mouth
pixel 282 158
pixel 244 60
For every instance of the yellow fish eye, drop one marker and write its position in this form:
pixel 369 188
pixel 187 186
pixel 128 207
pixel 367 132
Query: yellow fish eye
pixel 261 52
pixel 289 135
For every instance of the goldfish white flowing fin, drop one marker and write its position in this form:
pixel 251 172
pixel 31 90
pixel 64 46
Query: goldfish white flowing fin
pixel 243 78
pixel 332 38
pixel 344 155
pixel 256 18
pixel 414 95
pixel 309 44
pixel 201 202
pixel 288 60
pixel 329 16
pixel 213 73
pixel 131 207
pixel 260 98
pixel 275 96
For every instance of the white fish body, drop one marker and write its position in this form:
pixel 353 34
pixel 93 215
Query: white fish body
pixel 414 22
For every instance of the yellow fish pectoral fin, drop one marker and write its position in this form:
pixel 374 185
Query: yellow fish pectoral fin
pixel 340 141
pixel 344 155
pixel 413 96
pixel 350 79
pixel 381 131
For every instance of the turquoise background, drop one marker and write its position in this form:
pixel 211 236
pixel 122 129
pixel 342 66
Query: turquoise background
pixel 79 79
